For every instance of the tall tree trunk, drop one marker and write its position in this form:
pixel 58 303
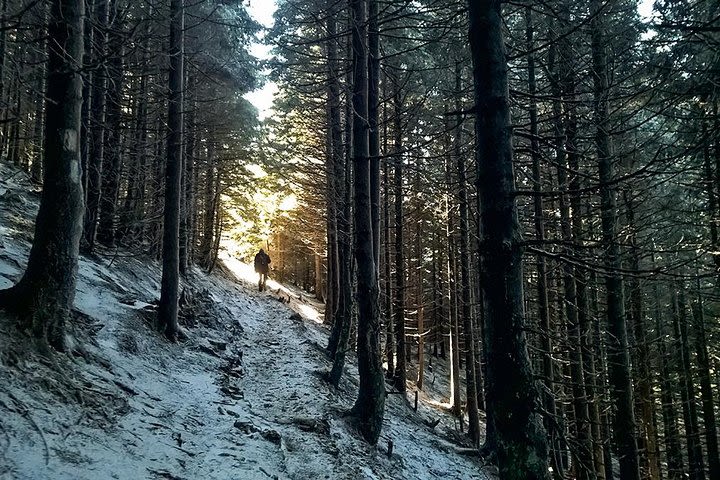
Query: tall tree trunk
pixel 373 132
pixel 334 156
pixel 168 308
pixel 510 390
pixel 466 299
pixel 340 333
pixel 389 327
pixel 338 344
pixel 370 404
pixel 450 268
pixel 38 139
pixel 400 374
pixel 89 32
pixel 112 159
pixel 618 357
pixel 548 398
pixel 696 468
pixel 190 173
pixel 3 44
pixel 671 432
pixel 645 401
pixel 96 147
pixel 708 402
pixel 44 295
pixel 209 208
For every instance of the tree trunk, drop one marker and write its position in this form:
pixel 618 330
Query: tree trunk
pixel 400 374
pixel 340 332
pixel 681 348
pixel 44 295
pixel 37 158
pixel 671 432
pixel 112 158
pixel 466 299
pixel 190 174
pixel 96 147
pixel 3 43
pixel 708 407
pixel 334 157
pixel 370 404
pixel 209 207
pixel 618 357
pixel 389 327
pixel 452 306
pixel 548 398
pixel 338 344
pixel 373 133
pixel 645 401
pixel 168 308
pixel 510 390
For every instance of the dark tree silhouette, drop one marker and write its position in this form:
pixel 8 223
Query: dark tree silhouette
pixel 510 391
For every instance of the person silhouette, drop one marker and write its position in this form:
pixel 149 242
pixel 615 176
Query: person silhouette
pixel 262 267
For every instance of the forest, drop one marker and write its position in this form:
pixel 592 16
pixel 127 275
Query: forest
pixel 520 199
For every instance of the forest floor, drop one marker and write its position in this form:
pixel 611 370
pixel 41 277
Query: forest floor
pixel 242 398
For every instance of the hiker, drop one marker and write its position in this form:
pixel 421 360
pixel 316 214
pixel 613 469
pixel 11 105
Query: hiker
pixel 262 266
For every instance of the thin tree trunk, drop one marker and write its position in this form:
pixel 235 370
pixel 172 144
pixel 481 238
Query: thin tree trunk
pixel 645 401
pixel 696 468
pixel 389 337
pixel 340 332
pixel 400 374
pixel 548 398
pixel 334 156
pixel 618 357
pixel 37 159
pixel 466 300
pixel 168 308
pixel 3 43
pixel 112 158
pixel 373 133
pixel 96 147
pixel 708 402
pixel 671 432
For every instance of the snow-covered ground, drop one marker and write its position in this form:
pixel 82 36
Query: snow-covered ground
pixel 242 398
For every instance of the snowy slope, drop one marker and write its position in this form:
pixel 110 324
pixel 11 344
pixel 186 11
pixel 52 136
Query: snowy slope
pixel 243 398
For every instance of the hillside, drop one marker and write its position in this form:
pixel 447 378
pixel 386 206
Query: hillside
pixel 241 398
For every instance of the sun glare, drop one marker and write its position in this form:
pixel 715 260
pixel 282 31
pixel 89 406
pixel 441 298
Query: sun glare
pixel 289 203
